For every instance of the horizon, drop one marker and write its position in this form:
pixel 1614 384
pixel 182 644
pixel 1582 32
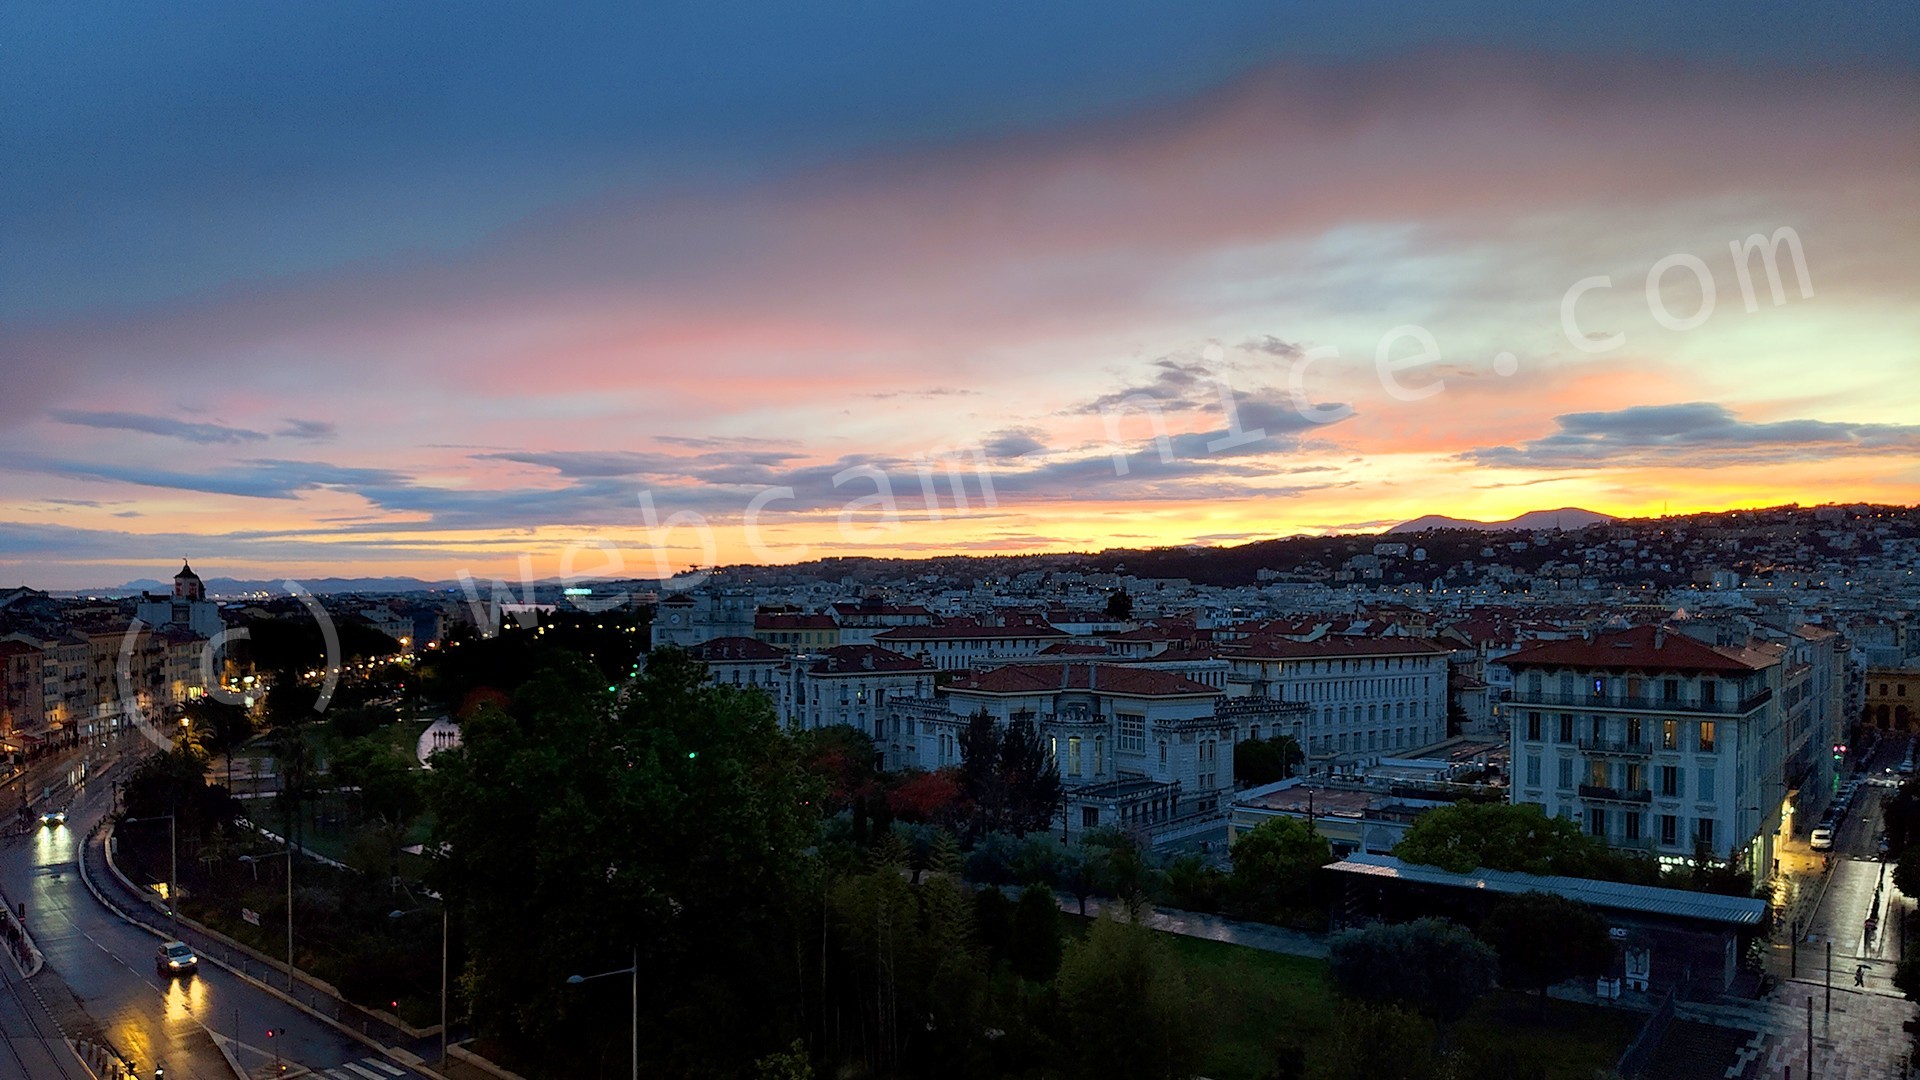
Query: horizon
pixel 399 296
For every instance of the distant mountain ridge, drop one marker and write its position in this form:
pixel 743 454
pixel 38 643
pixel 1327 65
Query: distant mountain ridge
pixel 1569 517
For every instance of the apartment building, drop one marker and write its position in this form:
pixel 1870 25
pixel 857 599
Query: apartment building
pixel 1366 697
pixel 1655 742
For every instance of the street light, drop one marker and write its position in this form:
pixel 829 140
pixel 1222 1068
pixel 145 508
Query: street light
pixel 396 914
pixel 576 980
pixel 173 861
pixel 254 860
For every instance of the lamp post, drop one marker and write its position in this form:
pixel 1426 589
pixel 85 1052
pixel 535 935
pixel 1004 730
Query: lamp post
pixel 288 855
pixel 576 980
pixel 173 861
pixel 443 972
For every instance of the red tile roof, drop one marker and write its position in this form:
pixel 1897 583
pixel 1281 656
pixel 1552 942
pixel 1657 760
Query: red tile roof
pixel 1332 648
pixel 1099 678
pixel 735 649
pixel 1642 648
pixel 965 632
pixel 863 660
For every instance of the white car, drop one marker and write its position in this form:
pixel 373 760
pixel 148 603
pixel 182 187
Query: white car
pixel 1822 839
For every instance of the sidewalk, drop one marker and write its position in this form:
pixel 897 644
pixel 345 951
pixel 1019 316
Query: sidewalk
pixel 1254 935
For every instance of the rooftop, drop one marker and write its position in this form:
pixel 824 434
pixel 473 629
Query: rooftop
pixel 1118 679
pixel 1605 895
pixel 1642 648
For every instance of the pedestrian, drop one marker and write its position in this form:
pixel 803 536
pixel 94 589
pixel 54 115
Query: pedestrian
pixel 1860 975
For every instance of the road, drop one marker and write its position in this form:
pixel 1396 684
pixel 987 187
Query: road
pixel 105 966
pixel 1861 887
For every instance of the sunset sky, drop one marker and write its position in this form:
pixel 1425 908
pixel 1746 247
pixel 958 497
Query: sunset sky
pixel 364 288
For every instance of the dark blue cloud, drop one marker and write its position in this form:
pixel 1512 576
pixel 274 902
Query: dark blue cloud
pixel 1695 433
pixel 162 151
pixel 168 426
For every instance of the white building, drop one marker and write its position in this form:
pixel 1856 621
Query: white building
pixel 1654 741
pixel 1368 697
pixel 960 645
pixel 744 662
pixel 851 685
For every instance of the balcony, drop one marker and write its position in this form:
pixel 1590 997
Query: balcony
pixel 1625 703
pixel 1616 747
pixel 1614 794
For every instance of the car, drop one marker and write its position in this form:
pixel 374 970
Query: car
pixel 176 958
pixel 1822 839
pixel 53 817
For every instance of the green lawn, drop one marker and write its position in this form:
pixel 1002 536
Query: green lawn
pixel 1263 998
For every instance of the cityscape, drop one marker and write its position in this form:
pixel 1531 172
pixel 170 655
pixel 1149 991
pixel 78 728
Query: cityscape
pixel 1236 542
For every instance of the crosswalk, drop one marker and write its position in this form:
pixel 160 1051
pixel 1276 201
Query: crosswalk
pixel 367 1068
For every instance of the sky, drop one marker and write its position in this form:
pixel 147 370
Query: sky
pixel 365 289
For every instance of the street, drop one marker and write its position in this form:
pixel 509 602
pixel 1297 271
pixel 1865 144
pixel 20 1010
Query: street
pixel 1859 889
pixel 105 966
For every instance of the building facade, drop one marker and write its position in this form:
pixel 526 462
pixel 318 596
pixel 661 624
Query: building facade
pixel 1654 742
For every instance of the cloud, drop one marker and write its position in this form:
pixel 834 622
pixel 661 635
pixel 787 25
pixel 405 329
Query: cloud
pixel 157 425
pixel 1273 346
pixel 256 479
pixel 1699 434
pixel 311 430
pixel 1013 442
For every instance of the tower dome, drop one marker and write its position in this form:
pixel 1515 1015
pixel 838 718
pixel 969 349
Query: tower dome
pixel 187 584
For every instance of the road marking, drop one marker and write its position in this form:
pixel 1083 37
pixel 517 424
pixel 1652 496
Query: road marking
pixel 368 1073
pixel 338 1075
pixel 384 1067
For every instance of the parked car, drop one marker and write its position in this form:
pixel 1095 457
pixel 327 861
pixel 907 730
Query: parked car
pixel 1822 838
pixel 176 958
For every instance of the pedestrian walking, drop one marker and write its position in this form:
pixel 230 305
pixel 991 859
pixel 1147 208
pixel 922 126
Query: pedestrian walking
pixel 1860 975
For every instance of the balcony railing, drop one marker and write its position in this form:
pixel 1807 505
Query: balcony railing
pixel 1614 794
pixel 1624 702
pixel 1619 747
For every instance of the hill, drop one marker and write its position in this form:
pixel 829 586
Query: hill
pixel 1571 517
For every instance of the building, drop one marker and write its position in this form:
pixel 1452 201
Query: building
pixel 187 607
pixel 1663 938
pixel 1655 742
pixel 961 645
pixel 851 685
pixel 22 692
pixel 795 632
pixel 742 661
pixel 1351 817
pixel 1137 749
pixel 1893 698
pixel 1367 697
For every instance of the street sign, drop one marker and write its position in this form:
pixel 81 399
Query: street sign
pixel 250 916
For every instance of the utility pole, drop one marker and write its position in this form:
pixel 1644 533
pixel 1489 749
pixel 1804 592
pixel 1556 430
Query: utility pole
pixel 1829 1009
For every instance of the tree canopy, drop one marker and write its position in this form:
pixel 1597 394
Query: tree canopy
pixel 1130 1010
pixel 1274 867
pixel 1265 761
pixel 1430 966
pixel 1008 775
pixel 1467 836
pixel 1544 940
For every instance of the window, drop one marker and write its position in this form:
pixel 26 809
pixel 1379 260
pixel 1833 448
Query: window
pixel 1669 734
pixel 1597 774
pixel 1703 832
pixel 1670 781
pixel 1633 731
pixel 1073 756
pixel 1163 751
pixel 1597 728
pixel 1533 770
pixel 1566 727
pixel 1705 793
pixel 1636 777
pixel 1709 691
pixel 1090 817
pixel 1670 690
pixel 1252 733
pixel 1566 773
pixel 1633 826
pixel 1706 736
pixel 1597 822
pixel 1099 756
pixel 1669 829
pixel 1133 733
pixel 1533 725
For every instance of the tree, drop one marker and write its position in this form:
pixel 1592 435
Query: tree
pixel 1906 977
pixel 927 797
pixel 1901 815
pixel 1120 606
pixel 1498 836
pixel 1373 1042
pixel 1130 1011
pixel 1274 867
pixel 1544 940
pixel 1008 775
pixel 1265 761
pixel 1906 872
pixel 1034 944
pixel 1430 966
pixel 677 804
